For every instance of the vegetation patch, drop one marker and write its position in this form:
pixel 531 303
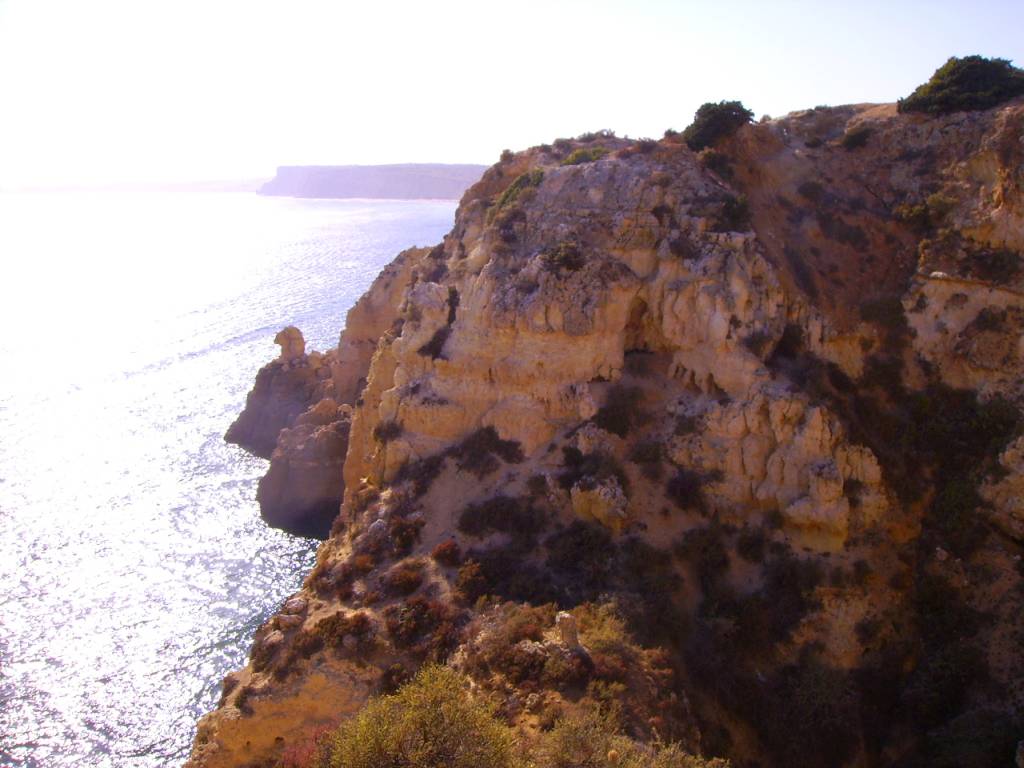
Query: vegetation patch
pixel 429 628
pixel 403 578
pixel 585 155
pixel 404 533
pixel 855 138
pixel 705 550
pixel 963 84
pixel 650 456
pixel 621 410
pixel 566 256
pixel 421 473
pixel 332 630
pixel 528 180
pixel 714 122
pixel 837 228
pixel 718 162
pixel 434 349
pixel 431 721
pixel 686 489
pixel 734 215
pixel 447 553
pixel 503 514
pixel 596 466
pixel 480 451
pixel 386 431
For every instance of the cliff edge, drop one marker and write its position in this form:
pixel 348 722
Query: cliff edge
pixel 743 424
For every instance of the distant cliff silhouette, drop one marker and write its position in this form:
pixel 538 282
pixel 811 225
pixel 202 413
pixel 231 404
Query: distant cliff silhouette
pixel 404 182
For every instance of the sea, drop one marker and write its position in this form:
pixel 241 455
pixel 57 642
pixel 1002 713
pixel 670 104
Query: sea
pixel 134 566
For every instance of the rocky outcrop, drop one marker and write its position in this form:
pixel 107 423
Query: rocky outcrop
pixel 302 490
pixel 743 399
pixel 299 412
pixel 284 389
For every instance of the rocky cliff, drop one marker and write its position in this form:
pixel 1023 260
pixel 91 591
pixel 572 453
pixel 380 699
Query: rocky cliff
pixel 750 417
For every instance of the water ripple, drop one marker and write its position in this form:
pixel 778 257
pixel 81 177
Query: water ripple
pixel 133 564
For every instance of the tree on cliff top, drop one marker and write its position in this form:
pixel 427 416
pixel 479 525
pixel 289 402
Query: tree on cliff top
pixel 959 85
pixel 715 121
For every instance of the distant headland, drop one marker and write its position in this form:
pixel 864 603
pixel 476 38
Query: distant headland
pixel 409 181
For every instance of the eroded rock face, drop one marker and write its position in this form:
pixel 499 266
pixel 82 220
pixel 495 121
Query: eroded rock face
pixel 709 375
pixel 299 412
pixel 301 492
pixel 281 393
pixel 1006 496
pixel 777 451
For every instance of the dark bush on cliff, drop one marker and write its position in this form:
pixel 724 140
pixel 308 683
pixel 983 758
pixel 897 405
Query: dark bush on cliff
pixel 959 85
pixel 716 121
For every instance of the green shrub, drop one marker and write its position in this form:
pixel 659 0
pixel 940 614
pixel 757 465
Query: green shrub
pixel 758 343
pixel 718 162
pixel 649 454
pixel 621 410
pixel 836 228
pixel 811 190
pixel 386 431
pixel 856 138
pixel 503 572
pixel 498 650
pixel 592 740
pixel 596 465
pixel 524 181
pixel 479 452
pixel 994 266
pixel 447 553
pixel 750 544
pixel 434 349
pixel 972 82
pixel 704 549
pixel 432 721
pixel 403 533
pixel 421 473
pixel 427 627
pixel 886 311
pixel 589 136
pixel 989 319
pixel 684 489
pixel 812 719
pixel 404 578
pixel 502 514
pixel 333 629
pixel 565 256
pixel 714 122
pixel 734 215
pixel 584 552
pixel 585 155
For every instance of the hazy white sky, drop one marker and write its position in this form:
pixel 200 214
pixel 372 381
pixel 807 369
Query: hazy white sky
pixel 117 90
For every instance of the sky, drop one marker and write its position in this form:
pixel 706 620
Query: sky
pixel 108 91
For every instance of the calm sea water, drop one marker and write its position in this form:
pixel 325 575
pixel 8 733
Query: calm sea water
pixel 134 566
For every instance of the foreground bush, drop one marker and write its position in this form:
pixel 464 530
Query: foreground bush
pixel 592 741
pixel 972 82
pixel 432 721
pixel 716 121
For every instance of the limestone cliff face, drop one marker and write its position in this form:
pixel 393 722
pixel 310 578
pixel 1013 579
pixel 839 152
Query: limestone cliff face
pixel 767 397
